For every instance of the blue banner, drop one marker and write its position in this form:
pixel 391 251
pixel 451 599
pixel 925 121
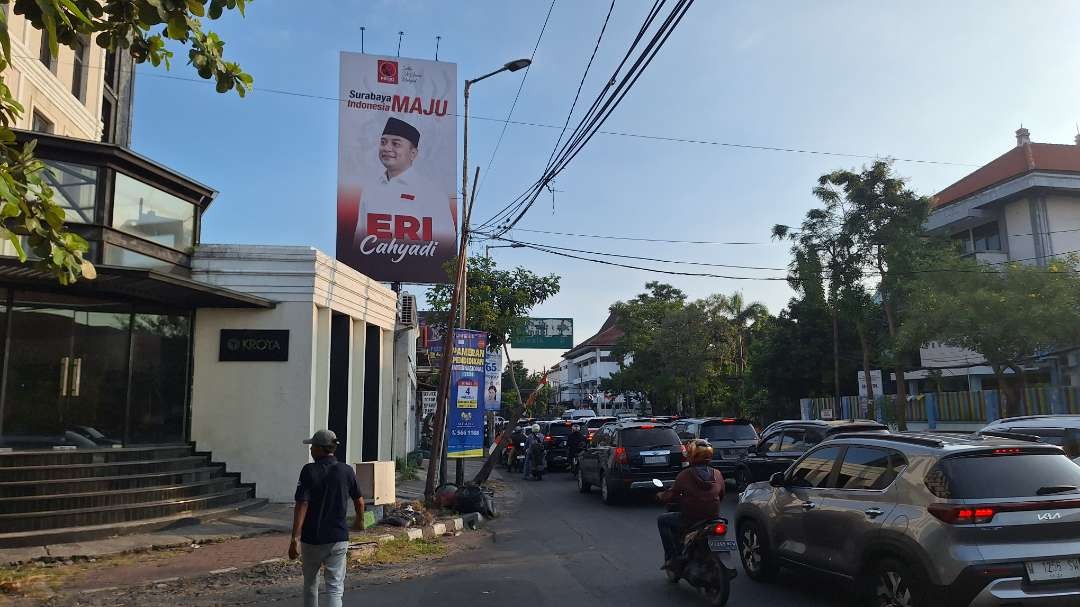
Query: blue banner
pixel 466 422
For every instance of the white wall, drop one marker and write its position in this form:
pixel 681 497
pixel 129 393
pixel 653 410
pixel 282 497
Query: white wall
pixel 1018 225
pixel 1063 213
pixel 254 415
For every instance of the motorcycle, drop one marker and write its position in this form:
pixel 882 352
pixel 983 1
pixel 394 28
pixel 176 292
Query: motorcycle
pixel 516 457
pixel 707 560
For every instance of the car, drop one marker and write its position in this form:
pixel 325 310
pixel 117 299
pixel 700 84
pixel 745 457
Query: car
pixel 922 519
pixel 555 434
pixel 593 424
pixel 1060 430
pixel 626 456
pixel 731 439
pixel 784 444
pixel 785 422
pixel 572 414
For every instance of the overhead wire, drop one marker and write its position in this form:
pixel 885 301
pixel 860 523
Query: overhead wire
pixel 513 106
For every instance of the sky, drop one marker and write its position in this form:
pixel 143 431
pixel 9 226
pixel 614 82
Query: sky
pixel 947 83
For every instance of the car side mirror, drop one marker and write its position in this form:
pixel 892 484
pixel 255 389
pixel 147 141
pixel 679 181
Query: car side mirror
pixel 777 480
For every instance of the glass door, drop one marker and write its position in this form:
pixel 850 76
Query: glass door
pixel 66 377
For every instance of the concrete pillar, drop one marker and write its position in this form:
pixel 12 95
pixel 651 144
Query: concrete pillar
pixel 1055 391
pixel 356 392
pixel 930 402
pixel 386 397
pixel 320 378
pixel 806 408
pixel 991 397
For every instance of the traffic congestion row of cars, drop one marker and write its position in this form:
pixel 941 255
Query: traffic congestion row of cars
pixel 913 519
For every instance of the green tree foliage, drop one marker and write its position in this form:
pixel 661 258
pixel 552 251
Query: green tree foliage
pixel 498 301
pixel 1008 314
pixel 138 27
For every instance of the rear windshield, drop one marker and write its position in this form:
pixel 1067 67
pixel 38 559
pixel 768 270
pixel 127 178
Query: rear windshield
pixel 649 437
pixel 1002 476
pixel 558 430
pixel 596 422
pixel 728 432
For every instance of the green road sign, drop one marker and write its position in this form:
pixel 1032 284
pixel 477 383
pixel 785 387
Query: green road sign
pixel 554 333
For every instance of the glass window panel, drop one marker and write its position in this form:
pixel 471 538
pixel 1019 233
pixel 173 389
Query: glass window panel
pixel 159 377
pixel 814 470
pixel 865 468
pixel 987 238
pixel 75 188
pixel 119 256
pixel 149 213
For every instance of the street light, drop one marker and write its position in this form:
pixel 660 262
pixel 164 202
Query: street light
pixel 488 248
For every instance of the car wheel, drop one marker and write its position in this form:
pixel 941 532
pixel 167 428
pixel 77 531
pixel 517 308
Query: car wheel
pixel 743 478
pixel 607 493
pixel 754 552
pixel 891 583
pixel 582 486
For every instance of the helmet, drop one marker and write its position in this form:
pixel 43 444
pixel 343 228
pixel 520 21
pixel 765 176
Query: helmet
pixel 535 428
pixel 700 452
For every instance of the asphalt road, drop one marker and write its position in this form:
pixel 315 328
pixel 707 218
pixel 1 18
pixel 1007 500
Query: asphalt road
pixel 561 548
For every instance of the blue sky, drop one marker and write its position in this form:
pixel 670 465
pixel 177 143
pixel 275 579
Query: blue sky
pixel 922 80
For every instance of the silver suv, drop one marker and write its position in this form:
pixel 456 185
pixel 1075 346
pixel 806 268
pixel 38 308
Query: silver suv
pixel 923 519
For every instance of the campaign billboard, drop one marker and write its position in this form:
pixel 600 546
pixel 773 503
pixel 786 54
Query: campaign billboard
pixel 397 153
pixel 493 373
pixel 466 423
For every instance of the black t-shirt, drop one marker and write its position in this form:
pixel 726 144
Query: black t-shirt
pixel 327 486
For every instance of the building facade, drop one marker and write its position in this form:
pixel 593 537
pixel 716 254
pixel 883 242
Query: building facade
pixel 579 374
pixel 1023 206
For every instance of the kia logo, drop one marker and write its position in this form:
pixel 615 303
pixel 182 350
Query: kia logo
pixel 1049 516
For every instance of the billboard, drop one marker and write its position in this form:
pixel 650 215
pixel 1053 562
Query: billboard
pixel 556 333
pixel 397 153
pixel 493 373
pixel 466 422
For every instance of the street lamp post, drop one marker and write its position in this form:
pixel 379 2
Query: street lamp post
pixel 439 439
pixel 488 248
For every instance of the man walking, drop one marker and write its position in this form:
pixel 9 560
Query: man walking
pixel 320 532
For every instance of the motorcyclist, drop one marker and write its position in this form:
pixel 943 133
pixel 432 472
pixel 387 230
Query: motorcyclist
pixel 534 443
pixel 575 443
pixel 698 490
pixel 517 439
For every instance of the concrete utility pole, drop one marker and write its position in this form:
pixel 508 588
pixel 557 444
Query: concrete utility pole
pixel 457 301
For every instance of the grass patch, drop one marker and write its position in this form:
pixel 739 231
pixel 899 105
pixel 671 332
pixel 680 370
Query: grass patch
pixel 404 551
pixel 406 469
pixel 35 580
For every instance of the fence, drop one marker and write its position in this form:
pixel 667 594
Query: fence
pixel 948 407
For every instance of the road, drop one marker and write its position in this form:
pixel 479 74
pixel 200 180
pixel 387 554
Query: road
pixel 562 548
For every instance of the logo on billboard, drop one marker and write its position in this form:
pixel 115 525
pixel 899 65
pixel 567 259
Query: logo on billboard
pixel 388 72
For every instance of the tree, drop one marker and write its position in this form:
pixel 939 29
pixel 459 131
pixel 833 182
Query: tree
pixel 1007 314
pixel 27 208
pixel 498 301
pixel 884 223
pixel 741 318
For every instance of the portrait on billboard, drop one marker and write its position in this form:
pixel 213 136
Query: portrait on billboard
pixel 397 208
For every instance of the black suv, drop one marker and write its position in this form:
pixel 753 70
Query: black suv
pixel 783 444
pixel 555 435
pixel 625 456
pixel 731 439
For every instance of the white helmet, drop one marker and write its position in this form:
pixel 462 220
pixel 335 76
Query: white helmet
pixel 535 428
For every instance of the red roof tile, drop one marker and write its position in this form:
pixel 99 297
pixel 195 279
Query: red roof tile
pixel 608 334
pixel 1015 162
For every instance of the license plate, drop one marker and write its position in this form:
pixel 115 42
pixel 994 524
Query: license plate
pixel 1059 569
pixel 655 459
pixel 718 544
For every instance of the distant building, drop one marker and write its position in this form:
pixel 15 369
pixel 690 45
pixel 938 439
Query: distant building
pixel 577 377
pixel 1023 206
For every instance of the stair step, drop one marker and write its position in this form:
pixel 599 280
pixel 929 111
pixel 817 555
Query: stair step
pixel 84 533
pixel 74 471
pixel 113 514
pixel 57 457
pixel 124 497
pixel 62 486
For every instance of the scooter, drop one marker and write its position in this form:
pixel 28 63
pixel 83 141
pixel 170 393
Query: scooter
pixel 517 458
pixel 707 559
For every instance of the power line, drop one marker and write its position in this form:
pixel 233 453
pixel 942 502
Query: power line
pixel 521 85
pixel 609 237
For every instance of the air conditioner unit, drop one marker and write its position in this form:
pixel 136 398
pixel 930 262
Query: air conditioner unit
pixel 407 310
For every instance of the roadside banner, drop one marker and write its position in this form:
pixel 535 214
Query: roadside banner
pixel 493 372
pixel 397 153
pixel 466 423
pixel 428 398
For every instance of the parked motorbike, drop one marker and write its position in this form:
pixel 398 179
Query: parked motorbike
pixel 707 559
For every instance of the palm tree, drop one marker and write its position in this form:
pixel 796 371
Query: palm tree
pixel 741 317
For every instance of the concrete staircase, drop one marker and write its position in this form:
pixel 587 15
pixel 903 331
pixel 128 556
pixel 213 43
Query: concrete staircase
pixel 52 496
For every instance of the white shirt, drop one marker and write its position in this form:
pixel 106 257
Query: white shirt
pixel 406 196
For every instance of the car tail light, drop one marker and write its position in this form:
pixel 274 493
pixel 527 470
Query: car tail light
pixel 620 456
pixel 647 427
pixel 720 529
pixel 962 515
pixel 548 439
pixel 727 420
pixel 1008 451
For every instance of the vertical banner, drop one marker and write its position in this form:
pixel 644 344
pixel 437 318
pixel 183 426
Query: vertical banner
pixel 493 372
pixel 466 404
pixel 397 153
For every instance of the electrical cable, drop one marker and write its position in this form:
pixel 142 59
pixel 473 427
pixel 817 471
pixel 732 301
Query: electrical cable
pixel 521 85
